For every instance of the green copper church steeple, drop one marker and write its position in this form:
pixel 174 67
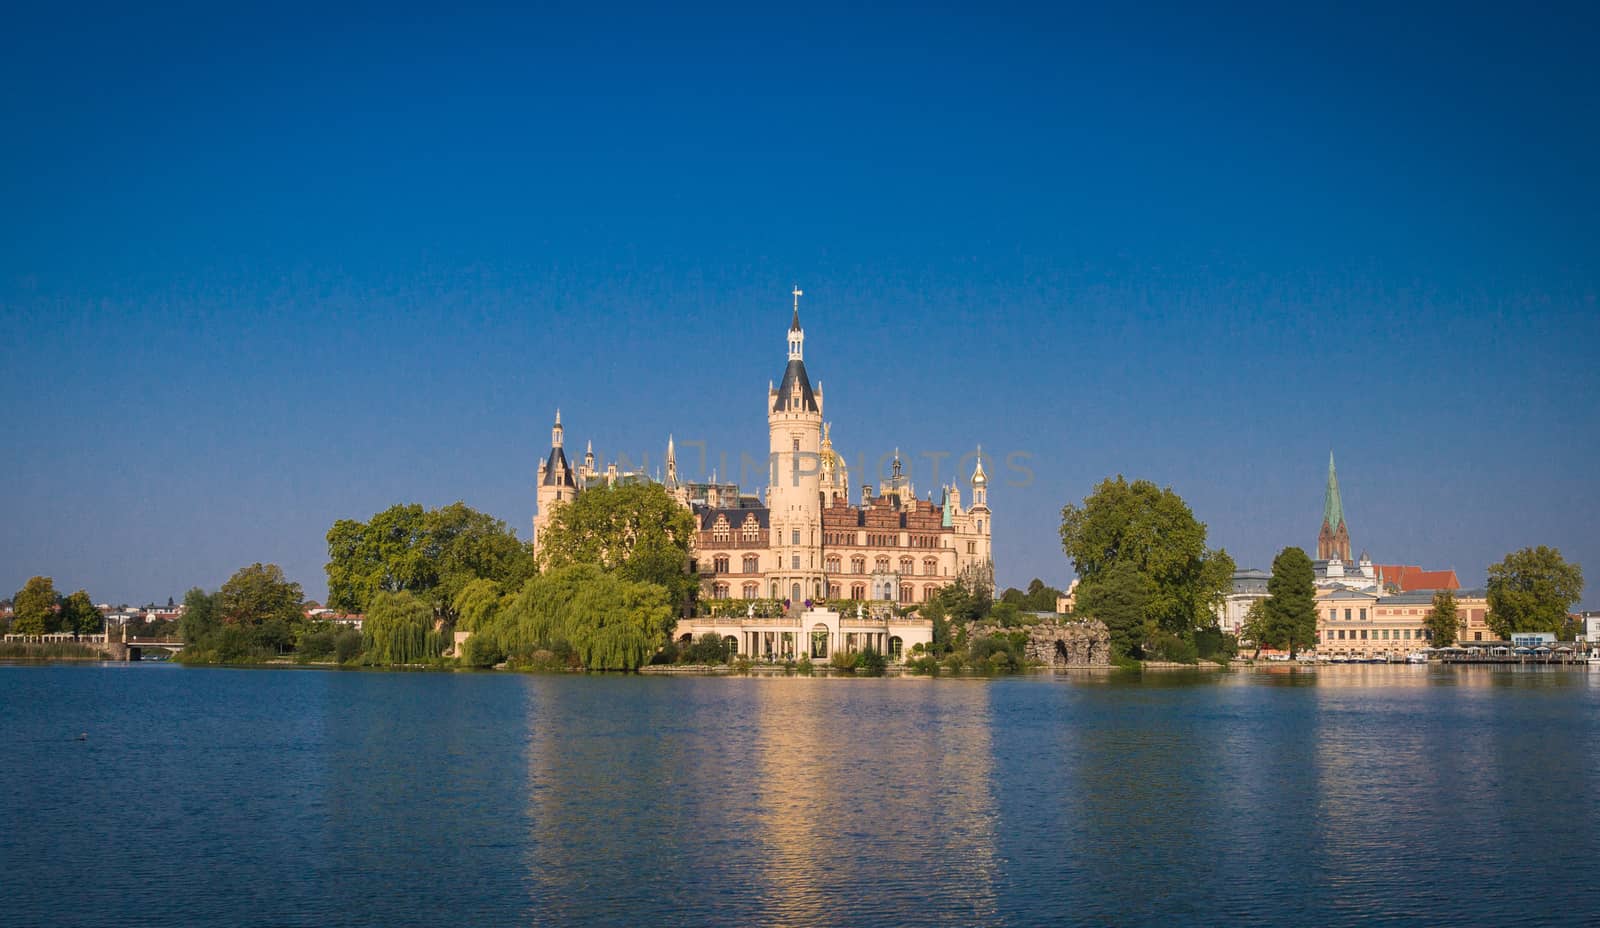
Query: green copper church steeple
pixel 1334 539
pixel 1332 509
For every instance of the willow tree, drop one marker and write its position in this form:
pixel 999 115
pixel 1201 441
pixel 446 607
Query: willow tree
pixel 399 629
pixel 616 624
pixel 477 603
pixel 609 622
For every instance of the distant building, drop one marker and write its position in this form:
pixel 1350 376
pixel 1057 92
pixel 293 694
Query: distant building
pixel 1249 587
pixel 1590 623
pixel 1068 601
pixel 1357 625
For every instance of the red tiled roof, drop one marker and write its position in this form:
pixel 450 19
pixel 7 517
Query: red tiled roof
pixel 1409 577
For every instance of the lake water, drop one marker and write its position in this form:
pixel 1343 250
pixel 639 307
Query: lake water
pixel 1344 796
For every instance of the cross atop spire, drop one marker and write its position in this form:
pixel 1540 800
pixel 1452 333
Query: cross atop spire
pixel 798 293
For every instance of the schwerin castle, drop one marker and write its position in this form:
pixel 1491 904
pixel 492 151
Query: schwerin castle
pixel 805 542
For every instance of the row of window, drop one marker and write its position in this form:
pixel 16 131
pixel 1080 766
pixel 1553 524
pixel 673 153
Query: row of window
pixel 751 564
pixel 751 589
pixel 1378 634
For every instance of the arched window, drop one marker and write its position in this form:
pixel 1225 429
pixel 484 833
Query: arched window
pixel 833 591
pixel 858 565
pixel 719 564
pixel 905 592
pixel 858 591
pixel 832 564
pixel 930 567
pixel 752 564
pixel 720 591
pixel 905 566
pixel 928 591
pixel 881 565
pixel 752 590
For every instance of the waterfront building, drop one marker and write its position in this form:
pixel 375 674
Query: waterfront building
pixel 804 541
pixel 1359 625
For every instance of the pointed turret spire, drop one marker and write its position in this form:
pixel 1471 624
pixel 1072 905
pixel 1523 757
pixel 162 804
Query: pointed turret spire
pixel 672 464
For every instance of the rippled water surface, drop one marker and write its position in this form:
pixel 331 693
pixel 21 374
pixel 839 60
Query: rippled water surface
pixel 1344 796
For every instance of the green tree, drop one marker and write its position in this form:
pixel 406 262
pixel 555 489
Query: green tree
pixel 476 604
pixel 1443 620
pixel 434 554
pixel 199 618
pixel 608 621
pixel 258 595
pixel 398 629
pixel 78 614
pixel 1291 604
pixel 1120 597
pixel 1254 629
pixel 1532 590
pixel 1154 530
pixel 35 607
pixel 635 529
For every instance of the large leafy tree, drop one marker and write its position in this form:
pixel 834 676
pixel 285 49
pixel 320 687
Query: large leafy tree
pixel 635 529
pixel 1152 529
pixel 1289 617
pixel 432 553
pixel 260 594
pixel 78 614
pixel 1443 620
pixel 35 608
pixel 1532 590
pixel 1120 597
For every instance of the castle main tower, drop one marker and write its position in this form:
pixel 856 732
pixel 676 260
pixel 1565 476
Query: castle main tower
pixel 794 487
pixel 556 483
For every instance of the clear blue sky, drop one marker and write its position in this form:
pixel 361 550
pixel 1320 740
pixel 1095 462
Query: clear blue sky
pixel 262 270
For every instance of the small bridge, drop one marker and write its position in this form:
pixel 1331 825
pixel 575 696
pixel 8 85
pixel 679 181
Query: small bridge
pixel 132 649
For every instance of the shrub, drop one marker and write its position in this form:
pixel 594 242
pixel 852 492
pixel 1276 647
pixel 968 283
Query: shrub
pixel 1166 646
pixel 316 646
pixel 804 667
pixel 844 661
pixel 346 645
pixel 871 662
pixel 926 664
pixel 481 651
pixel 709 648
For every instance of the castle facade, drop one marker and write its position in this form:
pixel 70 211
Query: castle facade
pixel 804 539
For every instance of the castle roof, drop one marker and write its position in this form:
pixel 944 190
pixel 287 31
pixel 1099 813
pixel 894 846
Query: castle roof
pixel 558 476
pixel 736 515
pixel 794 374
